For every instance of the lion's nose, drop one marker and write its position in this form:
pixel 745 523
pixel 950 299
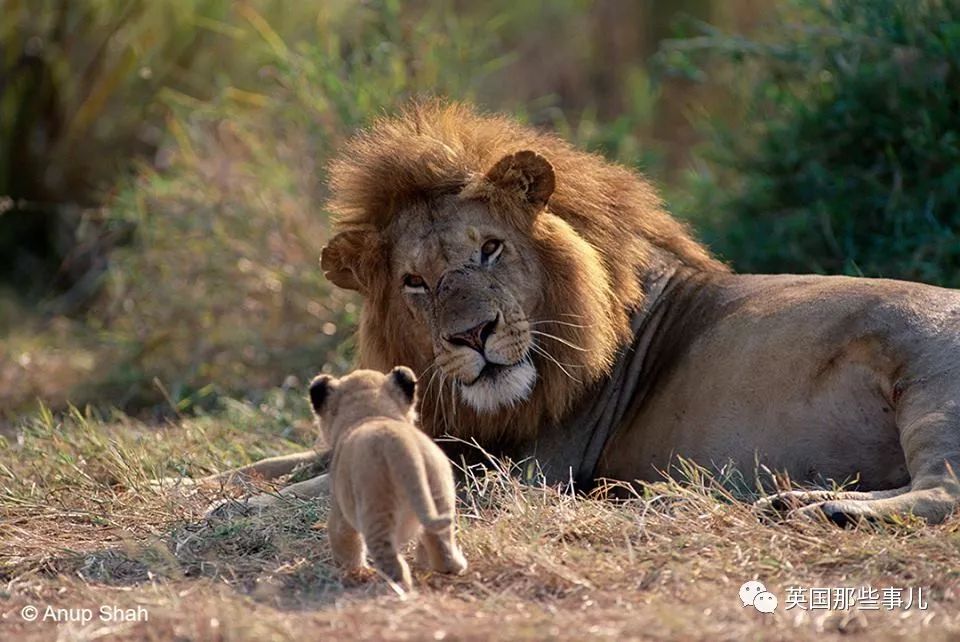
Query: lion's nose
pixel 475 337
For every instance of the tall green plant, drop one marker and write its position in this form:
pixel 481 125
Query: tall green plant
pixel 85 88
pixel 846 156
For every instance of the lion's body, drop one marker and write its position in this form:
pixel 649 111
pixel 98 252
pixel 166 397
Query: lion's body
pixel 390 482
pixel 802 374
pixel 558 310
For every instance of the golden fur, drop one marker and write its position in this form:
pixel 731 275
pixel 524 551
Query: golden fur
pixel 438 151
pixel 387 478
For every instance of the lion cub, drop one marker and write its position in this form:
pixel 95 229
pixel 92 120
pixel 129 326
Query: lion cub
pixel 387 477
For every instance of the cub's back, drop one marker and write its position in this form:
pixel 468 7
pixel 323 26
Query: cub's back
pixel 364 470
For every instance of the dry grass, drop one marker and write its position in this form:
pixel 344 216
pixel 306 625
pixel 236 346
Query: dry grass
pixel 83 526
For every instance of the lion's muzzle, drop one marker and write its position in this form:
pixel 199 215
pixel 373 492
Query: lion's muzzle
pixel 476 337
pixel 484 341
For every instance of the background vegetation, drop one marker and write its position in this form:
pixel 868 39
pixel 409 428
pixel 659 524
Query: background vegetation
pixel 846 157
pixel 161 163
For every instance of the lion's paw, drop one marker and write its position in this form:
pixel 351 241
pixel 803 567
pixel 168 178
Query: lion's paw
pixel 779 504
pixel 840 513
pixel 175 485
pixel 233 508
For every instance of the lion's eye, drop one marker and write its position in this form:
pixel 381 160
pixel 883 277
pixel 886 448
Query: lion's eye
pixel 414 283
pixel 490 251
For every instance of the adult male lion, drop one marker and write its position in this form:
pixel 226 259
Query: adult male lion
pixel 553 308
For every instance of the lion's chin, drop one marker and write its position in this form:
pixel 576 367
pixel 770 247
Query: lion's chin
pixel 507 386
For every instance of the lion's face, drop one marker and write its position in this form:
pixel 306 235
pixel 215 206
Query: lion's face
pixel 488 296
pixel 472 286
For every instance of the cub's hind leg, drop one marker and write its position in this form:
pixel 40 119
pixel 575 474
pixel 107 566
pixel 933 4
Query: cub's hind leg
pixel 346 544
pixel 381 536
pixel 438 548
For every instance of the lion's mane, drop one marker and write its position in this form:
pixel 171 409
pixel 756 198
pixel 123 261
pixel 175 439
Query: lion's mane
pixel 436 148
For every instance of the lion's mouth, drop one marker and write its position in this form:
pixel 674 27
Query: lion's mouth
pixel 493 371
pixel 499 385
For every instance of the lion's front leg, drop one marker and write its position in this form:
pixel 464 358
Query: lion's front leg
pixel 309 463
pixel 313 488
pixel 932 504
pixel 799 500
pixel 267 469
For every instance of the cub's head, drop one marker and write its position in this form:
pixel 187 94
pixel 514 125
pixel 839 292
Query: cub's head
pixel 361 394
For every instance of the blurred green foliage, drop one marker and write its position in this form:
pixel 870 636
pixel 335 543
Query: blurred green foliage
pixel 221 290
pixel 175 152
pixel 84 86
pixel 203 127
pixel 846 156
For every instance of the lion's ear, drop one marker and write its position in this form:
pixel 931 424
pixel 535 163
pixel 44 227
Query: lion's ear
pixel 527 174
pixel 350 259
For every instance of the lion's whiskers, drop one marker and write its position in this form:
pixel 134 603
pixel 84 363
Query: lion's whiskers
pixel 426 391
pixel 433 365
pixel 558 339
pixel 426 394
pixel 438 398
pixel 443 404
pixel 542 352
pixel 453 402
pixel 563 363
pixel 563 323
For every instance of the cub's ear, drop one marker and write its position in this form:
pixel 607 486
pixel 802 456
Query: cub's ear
pixel 351 258
pixel 320 389
pixel 404 379
pixel 527 174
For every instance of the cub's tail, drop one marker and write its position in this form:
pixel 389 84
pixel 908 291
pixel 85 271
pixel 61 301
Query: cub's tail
pixel 410 473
